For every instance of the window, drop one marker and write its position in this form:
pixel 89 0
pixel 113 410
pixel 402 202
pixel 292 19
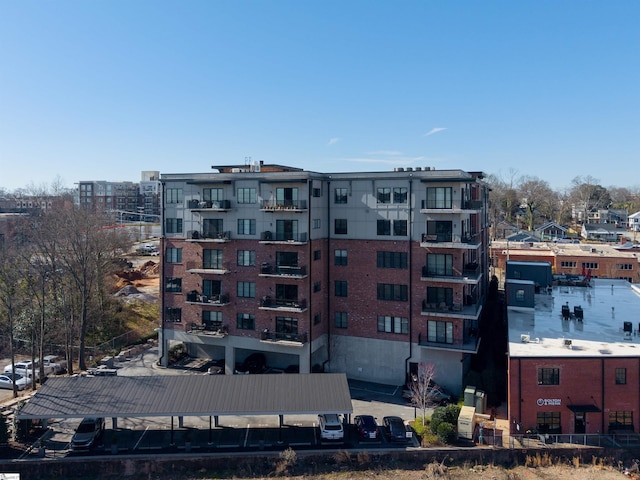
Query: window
pixel 621 376
pixel 399 194
pixel 246 321
pixel 548 422
pixel 439 197
pixel 340 195
pixel 212 227
pixel 173 195
pixel 440 332
pixel 590 265
pixel 621 420
pixel 172 314
pixel 173 225
pixel 384 195
pixel 286 327
pixel 340 287
pixel 439 264
pixel 520 295
pixel 211 289
pixel 317 255
pixel 440 295
pixel 624 266
pixel 316 192
pixel 390 291
pixel 392 260
pixel 317 318
pixel 568 264
pixel 340 319
pixel 286 294
pixel 287 259
pixel 340 226
pixel 173 255
pixel 287 197
pixel 247 289
pixel 287 230
pixel 400 228
pixel 441 230
pixel 390 324
pixel 246 226
pixel 173 284
pixel 212 320
pixel 548 376
pixel 315 223
pixel 246 195
pixel 246 258
pixel 317 286
pixel 212 259
pixel 340 257
pixel 212 194
pixel 384 227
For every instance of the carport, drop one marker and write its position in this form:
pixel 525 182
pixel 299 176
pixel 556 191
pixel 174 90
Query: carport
pixel 189 395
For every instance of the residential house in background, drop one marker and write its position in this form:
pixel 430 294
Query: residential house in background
pixel 633 222
pixel 605 232
pixel 551 231
pixel 366 273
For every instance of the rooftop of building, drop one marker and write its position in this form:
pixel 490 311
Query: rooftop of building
pixel 561 249
pixel 606 305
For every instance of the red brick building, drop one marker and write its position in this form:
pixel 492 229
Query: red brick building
pixel 367 273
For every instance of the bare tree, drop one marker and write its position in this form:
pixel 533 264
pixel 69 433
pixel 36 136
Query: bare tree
pixel 423 391
pixel 534 193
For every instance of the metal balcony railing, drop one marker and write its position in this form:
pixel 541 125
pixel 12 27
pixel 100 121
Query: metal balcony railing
pixel 270 336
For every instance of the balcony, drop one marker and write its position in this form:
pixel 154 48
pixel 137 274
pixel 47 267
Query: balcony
pixel 286 305
pixel 284 206
pixel 470 344
pixel 449 240
pixel 204 206
pixel 466 206
pixel 269 336
pixel 197 298
pixel 268 270
pixel 470 275
pixel 197 267
pixel 470 309
pixel 275 237
pixel 210 330
pixel 216 237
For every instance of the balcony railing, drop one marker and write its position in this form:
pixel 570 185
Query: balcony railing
pixel 449 238
pixel 209 236
pixel 218 299
pixel 453 208
pixel 210 329
pixel 470 272
pixel 269 236
pixel 269 336
pixel 220 205
pixel 285 205
pixel 276 303
pixel 283 270
pixel 198 267
pixel 470 307
pixel 469 345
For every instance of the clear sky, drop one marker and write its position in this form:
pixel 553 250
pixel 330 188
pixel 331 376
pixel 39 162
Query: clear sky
pixel 101 90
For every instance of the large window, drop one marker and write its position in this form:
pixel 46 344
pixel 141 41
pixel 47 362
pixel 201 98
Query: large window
pixel 211 289
pixel 439 197
pixel 621 420
pixel 390 324
pixel 172 314
pixel 399 194
pixel 212 320
pixel 548 422
pixel 392 260
pixel 548 376
pixel 440 296
pixel 173 225
pixel 390 291
pixel 287 230
pixel 246 195
pixel 384 195
pixel 246 226
pixel 340 288
pixel 173 284
pixel 173 195
pixel 440 332
pixel 340 195
pixel 286 327
pixel 247 289
pixel 246 321
pixel 400 228
pixel 590 265
pixel 212 227
pixel 287 197
pixel 439 264
pixel 384 227
pixel 340 226
pixel 340 319
pixel 286 293
pixel 440 230
pixel 212 194
pixel 212 259
pixel 340 257
pixel 173 255
pixel 246 258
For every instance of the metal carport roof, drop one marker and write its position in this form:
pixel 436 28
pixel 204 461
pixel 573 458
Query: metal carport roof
pixel 189 395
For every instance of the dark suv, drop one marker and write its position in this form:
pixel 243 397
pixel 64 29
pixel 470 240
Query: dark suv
pixel 87 433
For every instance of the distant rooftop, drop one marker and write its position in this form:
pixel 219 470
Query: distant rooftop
pixel 606 306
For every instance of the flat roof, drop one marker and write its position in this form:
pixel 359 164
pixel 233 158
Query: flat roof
pixel 189 395
pixel 606 305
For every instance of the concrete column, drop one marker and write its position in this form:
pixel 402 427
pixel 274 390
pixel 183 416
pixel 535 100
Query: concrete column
pixel 114 423
pixel 229 360
pixel 180 422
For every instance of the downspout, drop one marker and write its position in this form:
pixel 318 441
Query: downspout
pixel 309 283
pixel 162 346
pixel 328 275
pixel 410 262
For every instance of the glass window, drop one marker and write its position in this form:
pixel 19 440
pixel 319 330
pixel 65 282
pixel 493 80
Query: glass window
pixel 384 227
pixel 399 194
pixel 173 284
pixel 439 264
pixel 246 321
pixel 173 225
pixel 315 223
pixel 340 195
pixel 441 230
pixel 389 324
pixel 212 259
pixel 340 288
pixel 439 197
pixel 317 318
pixel 621 376
pixel 340 226
pixel 400 228
pixel 440 296
pixel 520 295
pixel 340 319
pixel 384 195
pixel 389 291
pixel 246 195
pixel 621 420
pixel 340 257
pixel 440 332
pixel 246 258
pixel 246 226
pixel 548 422
pixel 173 255
pixel 287 197
pixel 392 260
pixel 173 195
pixel 317 286
pixel 287 230
pixel 317 255
pixel 247 289
pixel 212 289
pixel 212 320
pixel 286 327
pixel 212 194
pixel 548 376
pixel 212 227
pixel 172 314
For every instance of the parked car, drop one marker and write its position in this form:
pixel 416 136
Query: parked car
pixel 88 433
pixel 24 368
pixel 54 364
pixel 367 427
pixel 254 363
pixel 396 429
pixel 330 425
pixel 6 381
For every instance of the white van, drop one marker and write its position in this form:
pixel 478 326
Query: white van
pixel 330 426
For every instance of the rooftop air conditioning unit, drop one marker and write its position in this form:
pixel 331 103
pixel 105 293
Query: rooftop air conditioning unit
pixel 525 338
pixel 567 343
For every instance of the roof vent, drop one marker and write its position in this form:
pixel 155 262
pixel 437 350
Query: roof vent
pixel 525 338
pixel 399 169
pixel 417 169
pixel 567 343
pixel 409 169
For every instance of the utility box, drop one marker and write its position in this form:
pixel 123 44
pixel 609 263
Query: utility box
pixel 481 401
pixel 466 422
pixel 470 396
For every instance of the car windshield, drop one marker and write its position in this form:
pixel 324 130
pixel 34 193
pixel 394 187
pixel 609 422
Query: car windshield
pixel 86 427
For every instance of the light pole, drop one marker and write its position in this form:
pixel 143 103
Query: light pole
pixel 140 211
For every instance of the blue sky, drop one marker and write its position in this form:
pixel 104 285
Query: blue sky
pixel 101 90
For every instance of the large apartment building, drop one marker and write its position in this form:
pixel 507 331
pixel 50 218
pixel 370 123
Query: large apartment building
pixel 363 273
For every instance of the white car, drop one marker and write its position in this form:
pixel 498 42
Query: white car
pixel 330 426
pixel 24 368
pixel 6 381
pixel 54 364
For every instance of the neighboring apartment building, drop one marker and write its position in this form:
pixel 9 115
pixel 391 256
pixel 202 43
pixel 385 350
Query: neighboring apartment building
pixel 574 361
pixel 363 273
pixel 597 260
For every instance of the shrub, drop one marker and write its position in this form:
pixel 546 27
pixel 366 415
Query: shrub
pixel 446 432
pixel 421 426
pixel 448 414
